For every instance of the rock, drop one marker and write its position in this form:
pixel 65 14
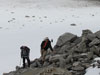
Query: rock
pixel 68 59
pixel 17 67
pixel 46 64
pixel 62 63
pixel 98 34
pixel 10 73
pixel 58 58
pixel 73 24
pixel 98 61
pixel 91 37
pixel 27 16
pixel 86 32
pixel 55 71
pixel 86 65
pixel 94 42
pixel 5 73
pixel 76 64
pixel 36 63
pixel 64 49
pixel 54 58
pixel 90 55
pixel 78 68
pixel 65 38
pixel 95 50
pixel 78 40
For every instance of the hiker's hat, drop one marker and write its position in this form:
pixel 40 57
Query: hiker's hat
pixel 46 38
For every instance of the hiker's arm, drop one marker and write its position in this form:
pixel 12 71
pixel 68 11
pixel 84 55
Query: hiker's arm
pixel 51 47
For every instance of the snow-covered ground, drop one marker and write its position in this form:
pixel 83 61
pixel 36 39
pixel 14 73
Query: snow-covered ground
pixel 27 22
pixel 93 70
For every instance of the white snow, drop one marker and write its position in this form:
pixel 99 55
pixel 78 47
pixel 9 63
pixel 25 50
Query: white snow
pixel 46 18
pixel 95 70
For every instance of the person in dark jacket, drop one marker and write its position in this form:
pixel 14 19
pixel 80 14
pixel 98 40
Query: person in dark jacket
pixel 45 45
pixel 25 51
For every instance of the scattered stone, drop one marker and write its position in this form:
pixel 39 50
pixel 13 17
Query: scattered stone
pixel 13 19
pixel 1 27
pixel 12 12
pixel 73 24
pixel 41 20
pixel 33 16
pixel 92 14
pixel 45 16
pixel 27 16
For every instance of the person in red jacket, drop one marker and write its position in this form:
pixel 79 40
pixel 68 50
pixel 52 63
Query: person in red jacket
pixel 45 45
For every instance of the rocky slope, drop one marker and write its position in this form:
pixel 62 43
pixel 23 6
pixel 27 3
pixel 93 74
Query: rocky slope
pixel 72 56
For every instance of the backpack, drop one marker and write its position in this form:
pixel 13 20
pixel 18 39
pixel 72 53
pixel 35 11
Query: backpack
pixel 24 52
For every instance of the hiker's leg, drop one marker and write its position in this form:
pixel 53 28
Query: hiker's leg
pixel 23 62
pixel 41 53
pixel 28 60
pixel 44 54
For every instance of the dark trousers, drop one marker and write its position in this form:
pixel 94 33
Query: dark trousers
pixel 28 61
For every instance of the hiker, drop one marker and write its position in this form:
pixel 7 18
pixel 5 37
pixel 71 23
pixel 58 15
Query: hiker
pixel 25 55
pixel 45 45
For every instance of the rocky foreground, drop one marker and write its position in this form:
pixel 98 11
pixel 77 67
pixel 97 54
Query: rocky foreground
pixel 72 56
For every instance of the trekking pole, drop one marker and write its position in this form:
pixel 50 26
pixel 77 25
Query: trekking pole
pixel 20 62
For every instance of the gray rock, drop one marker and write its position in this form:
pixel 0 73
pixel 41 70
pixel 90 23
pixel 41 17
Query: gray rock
pixel 86 65
pixel 36 63
pixel 94 42
pixel 98 34
pixel 91 37
pixel 76 64
pixel 54 71
pixel 86 32
pixel 95 50
pixel 68 59
pixel 90 55
pixel 62 63
pixel 58 58
pixel 78 40
pixel 78 68
pixel 54 58
pixel 46 64
pixel 10 73
pixel 64 49
pixel 65 38
pixel 17 68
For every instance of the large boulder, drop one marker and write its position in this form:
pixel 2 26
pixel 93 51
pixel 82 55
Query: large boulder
pixel 67 37
pixel 91 37
pixel 94 42
pixel 86 32
pixel 98 34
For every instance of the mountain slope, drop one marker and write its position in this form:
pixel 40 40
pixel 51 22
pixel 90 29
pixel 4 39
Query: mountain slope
pixel 72 56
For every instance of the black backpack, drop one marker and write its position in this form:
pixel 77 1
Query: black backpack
pixel 25 52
